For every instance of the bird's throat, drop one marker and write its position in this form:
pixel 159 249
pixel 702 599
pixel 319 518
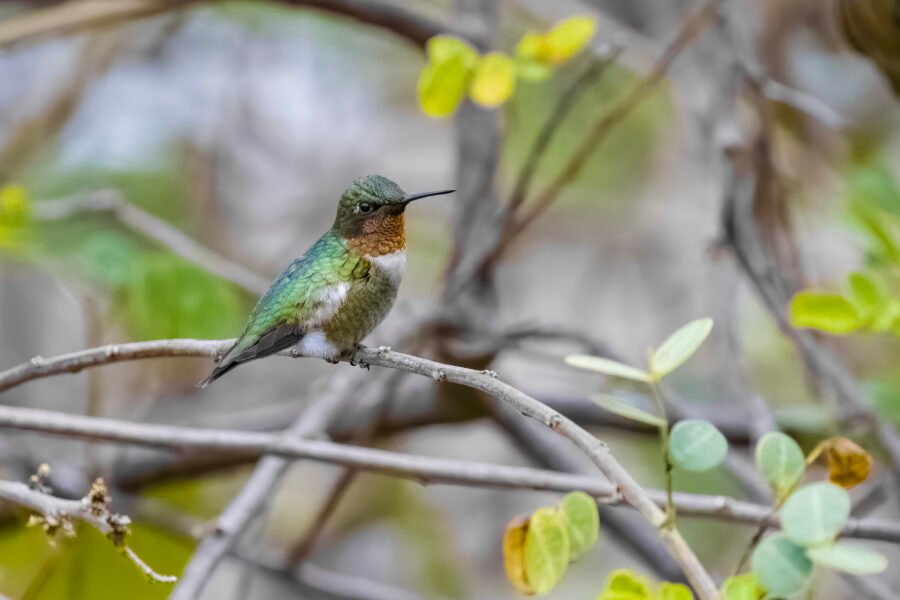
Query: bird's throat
pixel 382 234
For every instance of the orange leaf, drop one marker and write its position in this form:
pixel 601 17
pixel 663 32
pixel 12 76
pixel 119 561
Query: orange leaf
pixel 848 464
pixel 514 554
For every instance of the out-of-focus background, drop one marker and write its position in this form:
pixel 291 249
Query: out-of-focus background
pixel 129 144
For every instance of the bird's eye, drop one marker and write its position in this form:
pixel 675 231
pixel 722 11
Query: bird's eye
pixel 365 207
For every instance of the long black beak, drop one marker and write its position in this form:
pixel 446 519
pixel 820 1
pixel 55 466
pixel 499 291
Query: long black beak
pixel 412 197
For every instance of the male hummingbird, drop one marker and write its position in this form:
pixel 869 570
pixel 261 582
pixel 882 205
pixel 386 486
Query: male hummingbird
pixel 330 298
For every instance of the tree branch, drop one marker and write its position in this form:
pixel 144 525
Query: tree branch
pixel 111 201
pixel 58 513
pixel 418 468
pixel 69 18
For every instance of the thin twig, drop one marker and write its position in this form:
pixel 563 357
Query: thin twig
pixel 57 511
pixel 594 71
pixel 133 217
pixel 596 450
pixel 690 29
pixel 248 503
pixel 418 468
pixel 70 18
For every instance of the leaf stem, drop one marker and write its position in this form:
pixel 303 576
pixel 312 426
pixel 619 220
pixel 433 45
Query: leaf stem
pixel 664 440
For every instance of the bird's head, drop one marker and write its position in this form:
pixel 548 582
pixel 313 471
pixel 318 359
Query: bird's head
pixel 373 203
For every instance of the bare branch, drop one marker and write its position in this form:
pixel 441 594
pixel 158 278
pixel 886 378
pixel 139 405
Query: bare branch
pixel 110 201
pixel 418 468
pixel 66 18
pixel 256 491
pixel 74 362
pixel 56 512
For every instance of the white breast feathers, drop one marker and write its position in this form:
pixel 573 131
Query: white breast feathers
pixel 390 265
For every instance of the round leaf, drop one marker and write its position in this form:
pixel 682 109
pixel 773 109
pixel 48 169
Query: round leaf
pixel 742 587
pixel 568 37
pixel 827 312
pixel 848 558
pixel 546 549
pixel 530 70
pixel 815 514
pixel 696 445
pixel 679 347
pixel 582 522
pixel 607 367
pixel 627 410
pixel 781 566
pixel 868 292
pixel 780 460
pixel 494 80
pixel 532 46
pixel 443 82
pixel 848 464
pixel 514 554
pixel 674 591
pixel 442 48
pixel 625 584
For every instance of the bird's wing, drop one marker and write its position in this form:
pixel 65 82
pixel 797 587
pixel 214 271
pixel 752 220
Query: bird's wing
pixel 307 294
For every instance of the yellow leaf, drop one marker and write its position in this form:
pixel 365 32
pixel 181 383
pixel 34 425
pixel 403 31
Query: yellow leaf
pixel 533 46
pixel 494 80
pixel 15 211
pixel 625 584
pixel 568 38
pixel 441 48
pixel 514 554
pixel 443 82
pixel 848 464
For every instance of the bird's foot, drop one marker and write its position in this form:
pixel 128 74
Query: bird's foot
pixel 354 361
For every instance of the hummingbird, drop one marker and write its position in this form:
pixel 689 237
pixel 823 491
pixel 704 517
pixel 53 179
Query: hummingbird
pixel 333 296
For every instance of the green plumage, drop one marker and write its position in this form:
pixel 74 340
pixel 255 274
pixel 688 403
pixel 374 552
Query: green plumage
pixel 328 300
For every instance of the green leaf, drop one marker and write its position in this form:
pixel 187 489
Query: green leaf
pixel 443 82
pixel 781 566
pixel 627 410
pixel 815 513
pixel 825 311
pixel 674 591
pixel 679 347
pixel 868 292
pixel 494 80
pixel 696 445
pixel 531 70
pixel 569 37
pixel 625 584
pixel 546 549
pixel 442 48
pixel 582 520
pixel 607 367
pixel 167 297
pixel 848 558
pixel 743 587
pixel 781 461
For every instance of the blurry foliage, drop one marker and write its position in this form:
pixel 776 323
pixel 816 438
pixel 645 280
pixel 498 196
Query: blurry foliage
pixel 166 297
pixel 15 213
pixel 615 168
pixel 625 584
pixel 537 549
pixel 872 27
pixel 870 301
pixel 429 540
pixel 86 566
pixel 155 293
pixel 812 516
pixel 456 70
